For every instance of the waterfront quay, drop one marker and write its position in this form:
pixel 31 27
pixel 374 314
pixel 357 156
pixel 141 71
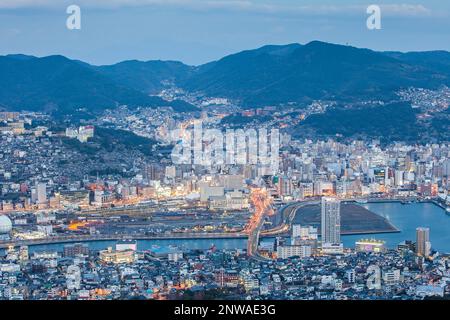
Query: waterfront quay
pixel 286 216
pixel 106 237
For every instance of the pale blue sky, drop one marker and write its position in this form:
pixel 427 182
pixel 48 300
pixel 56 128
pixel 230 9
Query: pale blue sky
pixel 198 31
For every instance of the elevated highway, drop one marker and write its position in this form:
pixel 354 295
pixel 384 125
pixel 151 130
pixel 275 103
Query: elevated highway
pixel 262 203
pixel 288 213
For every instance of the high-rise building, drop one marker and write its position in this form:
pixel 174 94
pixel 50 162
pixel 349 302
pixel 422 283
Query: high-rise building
pixel 296 231
pixel 399 177
pixel 34 197
pixel 41 190
pixel 331 220
pixel 423 244
pixel 285 186
pixel 351 275
pixel 152 172
pixel 446 168
pixel 171 172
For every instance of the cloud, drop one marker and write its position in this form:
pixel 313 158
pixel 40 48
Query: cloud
pixel 251 6
pixel 406 10
pixel 18 4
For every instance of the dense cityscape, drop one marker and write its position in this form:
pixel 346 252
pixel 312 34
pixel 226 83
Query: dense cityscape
pixel 216 159
pixel 66 186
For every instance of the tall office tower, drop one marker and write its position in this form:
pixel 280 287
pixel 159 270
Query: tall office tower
pixel 296 231
pixel 152 172
pixel 387 180
pixel 33 195
pixel 399 177
pixel 285 186
pixel 41 193
pixel 331 220
pixel 423 245
pixel 447 168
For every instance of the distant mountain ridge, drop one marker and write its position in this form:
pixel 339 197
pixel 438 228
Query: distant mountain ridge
pixel 317 70
pixel 270 75
pixel 147 76
pixel 58 84
pixel 436 60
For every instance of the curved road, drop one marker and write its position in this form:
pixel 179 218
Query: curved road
pixel 263 207
pixel 288 213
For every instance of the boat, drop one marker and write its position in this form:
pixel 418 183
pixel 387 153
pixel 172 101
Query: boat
pixel 362 201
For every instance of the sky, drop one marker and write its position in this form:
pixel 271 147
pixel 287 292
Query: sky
pixel 200 31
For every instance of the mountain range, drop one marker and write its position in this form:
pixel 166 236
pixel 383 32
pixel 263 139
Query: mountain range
pixel 58 84
pixel 271 75
pixel 275 75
